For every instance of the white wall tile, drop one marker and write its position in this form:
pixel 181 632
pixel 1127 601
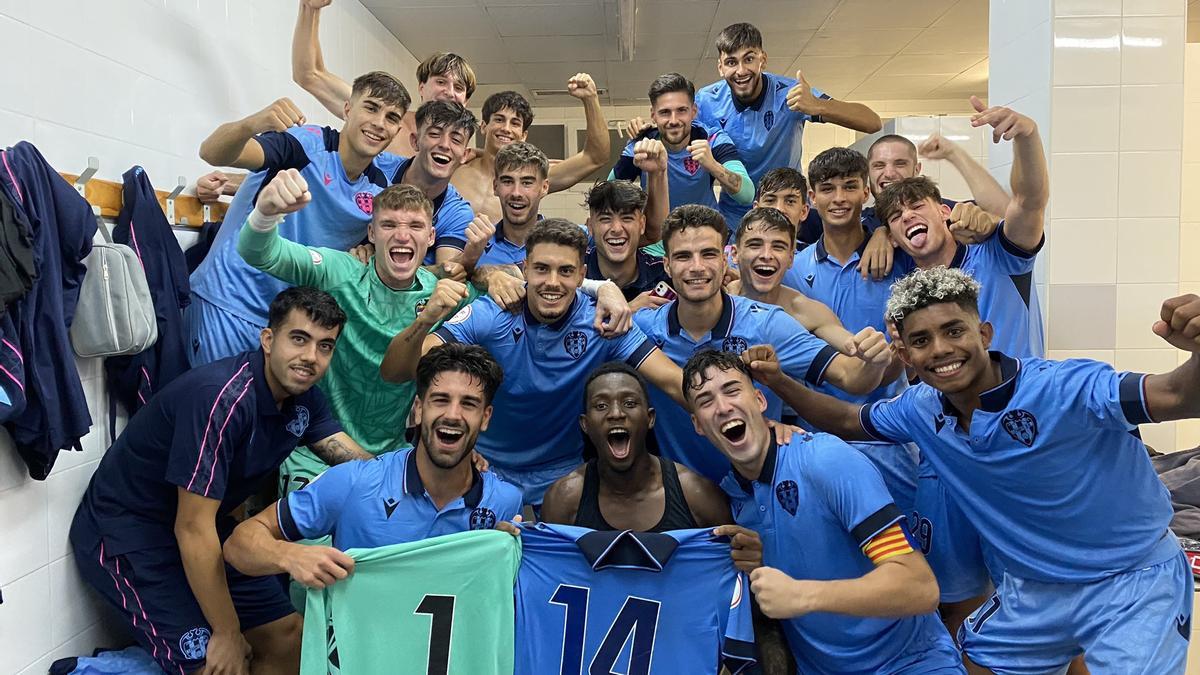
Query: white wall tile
pixel 1151 117
pixel 1074 178
pixel 1087 8
pixel 74 606
pixel 1086 119
pixel 1152 50
pixel 1084 251
pixel 1161 437
pixel 12 470
pixel 1087 51
pixel 1189 252
pixel 1146 360
pixel 1149 185
pixel 64 491
pixel 25 619
pixel 1176 8
pixel 25 537
pixel 1106 355
pixel 1146 250
pixel 1138 308
pixel 1082 317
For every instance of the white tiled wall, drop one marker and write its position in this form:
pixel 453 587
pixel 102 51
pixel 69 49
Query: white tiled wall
pixel 146 97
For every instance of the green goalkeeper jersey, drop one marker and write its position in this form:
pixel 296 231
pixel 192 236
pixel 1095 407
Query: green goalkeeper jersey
pixel 373 412
pixel 442 606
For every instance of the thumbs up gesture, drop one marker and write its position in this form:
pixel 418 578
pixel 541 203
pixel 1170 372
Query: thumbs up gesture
pixel 801 98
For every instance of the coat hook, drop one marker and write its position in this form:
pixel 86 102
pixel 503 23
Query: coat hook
pixel 93 166
pixel 179 185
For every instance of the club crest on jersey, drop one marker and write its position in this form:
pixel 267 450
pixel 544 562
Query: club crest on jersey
pixel 691 166
pixel 575 343
pixel 298 426
pixel 788 495
pixel 1021 425
pixel 194 643
pixel 734 345
pixel 768 119
pixel 365 202
pixel 461 315
pixel 316 256
pixel 482 519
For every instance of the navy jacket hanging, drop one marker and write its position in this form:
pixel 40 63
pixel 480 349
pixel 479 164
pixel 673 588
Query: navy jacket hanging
pixel 141 225
pixel 17 271
pixel 62 226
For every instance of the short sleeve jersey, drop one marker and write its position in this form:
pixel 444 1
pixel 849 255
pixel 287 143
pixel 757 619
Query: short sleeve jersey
pixel 857 302
pixel 687 181
pixel 216 432
pixel 545 366
pixel 743 323
pixel 336 218
pixel 816 505
pixel 630 602
pixel 502 250
pixel 452 215
pixel 1008 299
pixel 382 501
pixel 650 271
pixel 767 133
pixel 1049 473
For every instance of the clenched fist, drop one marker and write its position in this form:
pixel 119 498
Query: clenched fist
pixel 279 116
pixel 582 86
pixel 650 155
pixel 701 151
pixel 447 295
pixel 286 193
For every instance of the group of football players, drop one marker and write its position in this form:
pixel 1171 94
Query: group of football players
pixel 852 399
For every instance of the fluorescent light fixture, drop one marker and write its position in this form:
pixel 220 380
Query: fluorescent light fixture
pixel 601 91
pixel 626 27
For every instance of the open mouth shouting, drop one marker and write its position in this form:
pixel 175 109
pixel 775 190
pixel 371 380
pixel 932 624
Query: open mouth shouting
pixel 617 244
pixel 448 435
pixel 734 431
pixel 441 158
pixel 764 272
pixel 401 255
pixel 619 442
pixel 517 208
pixel 743 81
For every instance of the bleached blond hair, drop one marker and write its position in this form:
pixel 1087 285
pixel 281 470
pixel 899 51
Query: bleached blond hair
pixel 932 286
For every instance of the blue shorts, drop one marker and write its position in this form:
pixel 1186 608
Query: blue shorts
pixel 898 466
pixel 534 483
pixel 949 541
pixel 149 589
pixel 1134 622
pixel 215 334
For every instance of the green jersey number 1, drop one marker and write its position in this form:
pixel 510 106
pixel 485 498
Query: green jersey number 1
pixel 440 609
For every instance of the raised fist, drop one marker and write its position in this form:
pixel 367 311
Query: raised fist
pixel 286 193
pixel 650 155
pixel 279 116
pixel 582 86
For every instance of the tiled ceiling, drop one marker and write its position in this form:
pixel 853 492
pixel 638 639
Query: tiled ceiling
pixel 853 49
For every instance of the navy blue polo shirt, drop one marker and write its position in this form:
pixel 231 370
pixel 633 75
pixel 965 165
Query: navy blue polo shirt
pixel 215 431
pixel 1049 473
pixel 650 272
pixel 379 502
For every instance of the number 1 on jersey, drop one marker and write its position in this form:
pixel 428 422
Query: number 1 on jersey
pixel 440 609
pixel 637 620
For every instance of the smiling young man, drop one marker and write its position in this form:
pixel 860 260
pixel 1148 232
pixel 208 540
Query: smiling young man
pixel 444 130
pixel 705 316
pixel 381 298
pixel 841 570
pixel 520 183
pixel 428 491
pixel 148 531
pixel 1039 456
pixel 617 223
pixel 229 303
pixel 546 348
pixel 441 77
pixel 506 119
pixel 698 157
pixel 765 113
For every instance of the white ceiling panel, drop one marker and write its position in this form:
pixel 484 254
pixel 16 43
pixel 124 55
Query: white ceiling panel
pixel 858 43
pixel 524 20
pixel 850 48
pixel 872 14
pixel 675 16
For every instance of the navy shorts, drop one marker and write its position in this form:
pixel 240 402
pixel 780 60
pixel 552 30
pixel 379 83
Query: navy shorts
pixel 150 590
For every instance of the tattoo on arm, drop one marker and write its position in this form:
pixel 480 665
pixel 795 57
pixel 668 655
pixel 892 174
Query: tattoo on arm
pixel 479 277
pixel 333 451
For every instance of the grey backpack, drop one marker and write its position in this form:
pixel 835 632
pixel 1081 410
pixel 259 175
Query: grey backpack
pixel 115 313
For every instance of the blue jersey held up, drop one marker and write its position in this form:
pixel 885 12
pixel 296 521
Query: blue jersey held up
pixel 766 132
pixel 382 501
pixel 816 504
pixel 1048 473
pixel 630 602
pixel 336 218
pixel 743 324
pixel 545 365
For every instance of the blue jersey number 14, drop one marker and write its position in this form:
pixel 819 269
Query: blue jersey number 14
pixel 637 619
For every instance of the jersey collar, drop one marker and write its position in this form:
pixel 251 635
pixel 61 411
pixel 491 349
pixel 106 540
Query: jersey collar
pixel 414 486
pixel 724 324
pixel 643 267
pixel 531 320
pixel 756 104
pixel 499 236
pixel 823 254
pixel 399 178
pixel 627 549
pixel 767 475
pixel 960 254
pixel 997 398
